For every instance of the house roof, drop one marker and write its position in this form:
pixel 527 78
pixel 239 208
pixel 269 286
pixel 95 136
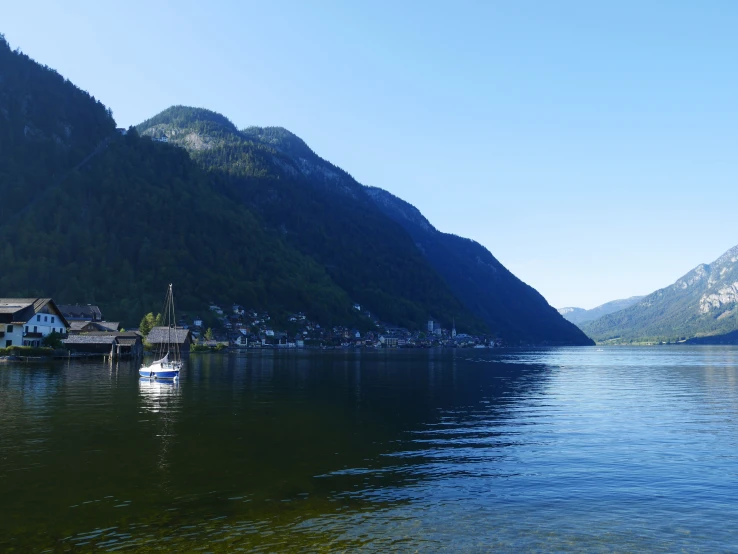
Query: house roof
pixel 159 335
pixel 21 310
pixel 127 338
pixel 13 305
pixel 76 311
pixel 88 338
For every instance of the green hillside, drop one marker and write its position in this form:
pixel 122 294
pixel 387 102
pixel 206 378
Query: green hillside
pixel 320 210
pixel 108 219
pixel 702 304
pixel 510 307
pixel 89 214
pixel 370 252
pixel 47 126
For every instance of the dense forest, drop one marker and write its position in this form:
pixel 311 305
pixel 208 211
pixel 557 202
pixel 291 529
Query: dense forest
pixel 111 219
pixel 323 211
pixel 143 215
pixel 253 216
pixel 47 126
pixel 324 214
pixel 510 307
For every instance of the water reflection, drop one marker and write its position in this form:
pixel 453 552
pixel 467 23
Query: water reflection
pixel 559 449
pixel 160 396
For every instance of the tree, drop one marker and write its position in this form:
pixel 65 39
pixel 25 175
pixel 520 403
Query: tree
pixel 147 323
pixel 53 340
pixel 209 334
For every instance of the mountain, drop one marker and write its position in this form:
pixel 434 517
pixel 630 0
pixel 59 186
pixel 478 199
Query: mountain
pixel 348 227
pixel 579 315
pixel 109 219
pixel 47 126
pixel 702 306
pixel 319 210
pixel 92 214
pixel 480 281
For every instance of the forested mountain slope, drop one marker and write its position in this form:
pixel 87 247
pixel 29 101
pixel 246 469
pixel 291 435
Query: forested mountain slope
pixel 702 304
pixel 88 214
pixel 485 286
pixel 47 126
pixel 348 227
pixel 137 216
pixel 320 210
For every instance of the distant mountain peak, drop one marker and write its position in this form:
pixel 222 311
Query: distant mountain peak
pixel 579 316
pixel 184 116
pixel 700 304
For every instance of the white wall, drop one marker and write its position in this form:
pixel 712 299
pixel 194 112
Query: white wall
pixel 44 324
pixel 15 338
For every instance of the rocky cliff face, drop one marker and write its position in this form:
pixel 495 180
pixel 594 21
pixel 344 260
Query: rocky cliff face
pixel 702 303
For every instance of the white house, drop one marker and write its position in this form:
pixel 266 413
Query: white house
pixel 26 321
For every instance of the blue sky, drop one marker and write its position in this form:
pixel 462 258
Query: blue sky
pixel 591 146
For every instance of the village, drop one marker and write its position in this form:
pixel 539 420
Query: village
pixel 81 330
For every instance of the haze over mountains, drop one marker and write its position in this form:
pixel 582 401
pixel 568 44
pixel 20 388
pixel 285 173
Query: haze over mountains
pixel 580 315
pixel 251 216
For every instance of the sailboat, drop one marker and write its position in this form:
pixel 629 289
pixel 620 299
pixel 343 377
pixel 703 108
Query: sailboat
pixel 168 359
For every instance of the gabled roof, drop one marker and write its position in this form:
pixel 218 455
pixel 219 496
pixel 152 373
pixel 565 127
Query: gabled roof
pixel 160 335
pixel 21 310
pixel 77 311
pixel 84 325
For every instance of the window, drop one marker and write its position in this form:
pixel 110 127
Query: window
pixel 38 318
pixel 26 328
pixel 52 319
pixel 35 329
pixel 46 318
pixel 8 343
pixel 10 328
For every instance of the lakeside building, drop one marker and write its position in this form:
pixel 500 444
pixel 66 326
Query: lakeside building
pixel 78 312
pixel 179 336
pixel 113 344
pixel 26 321
pixel 77 327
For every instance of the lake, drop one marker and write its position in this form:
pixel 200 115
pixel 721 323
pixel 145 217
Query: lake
pixel 569 449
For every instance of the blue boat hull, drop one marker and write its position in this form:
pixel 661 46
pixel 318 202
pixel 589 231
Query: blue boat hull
pixel 159 374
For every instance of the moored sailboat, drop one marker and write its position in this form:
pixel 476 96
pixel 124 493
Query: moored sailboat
pixel 168 362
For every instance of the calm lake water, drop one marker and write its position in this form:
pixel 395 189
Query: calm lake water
pixel 578 449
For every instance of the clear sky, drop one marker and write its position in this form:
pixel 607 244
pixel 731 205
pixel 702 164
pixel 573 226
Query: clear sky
pixel 591 146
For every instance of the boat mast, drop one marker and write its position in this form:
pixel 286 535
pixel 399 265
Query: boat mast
pixel 169 321
pixel 174 322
